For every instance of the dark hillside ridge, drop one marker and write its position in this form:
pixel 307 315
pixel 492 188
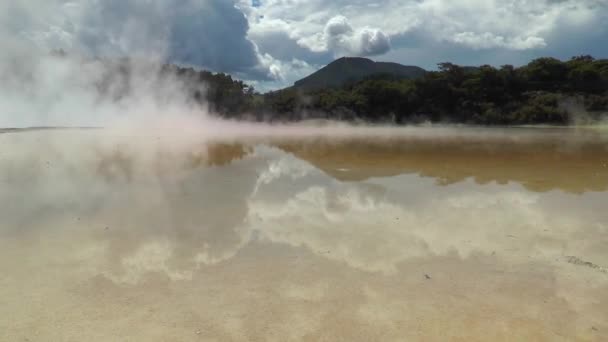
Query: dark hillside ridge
pixel 352 69
pixel 545 91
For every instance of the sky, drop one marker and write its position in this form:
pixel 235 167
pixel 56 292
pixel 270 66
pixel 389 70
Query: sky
pixel 272 43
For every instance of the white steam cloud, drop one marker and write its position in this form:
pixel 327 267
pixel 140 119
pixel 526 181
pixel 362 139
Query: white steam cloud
pixel 66 91
pixel 39 88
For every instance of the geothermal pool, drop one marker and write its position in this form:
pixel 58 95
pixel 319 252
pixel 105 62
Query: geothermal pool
pixel 414 234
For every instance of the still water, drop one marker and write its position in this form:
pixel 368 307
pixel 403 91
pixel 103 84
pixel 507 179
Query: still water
pixel 419 234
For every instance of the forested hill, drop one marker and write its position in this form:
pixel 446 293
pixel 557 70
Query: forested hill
pixel 352 69
pixel 545 91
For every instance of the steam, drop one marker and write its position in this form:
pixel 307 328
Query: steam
pixel 167 211
pixel 580 116
pixel 110 66
pixel 45 90
pixel 98 215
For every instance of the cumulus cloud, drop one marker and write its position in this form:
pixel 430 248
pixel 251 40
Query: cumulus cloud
pixel 373 42
pixel 338 26
pixel 377 224
pixel 476 31
pixel 283 72
pixel 247 38
pixel 489 40
pixel 209 33
pixel 512 24
pixel 339 38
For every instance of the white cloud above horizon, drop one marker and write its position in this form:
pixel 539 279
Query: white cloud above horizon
pixel 271 43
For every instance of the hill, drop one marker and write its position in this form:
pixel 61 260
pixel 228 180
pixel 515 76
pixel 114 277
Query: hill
pixel 353 69
pixel 545 91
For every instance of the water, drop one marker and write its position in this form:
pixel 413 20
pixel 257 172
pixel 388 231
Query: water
pixel 414 234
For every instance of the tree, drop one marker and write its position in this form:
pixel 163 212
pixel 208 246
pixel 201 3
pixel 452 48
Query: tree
pixel 546 74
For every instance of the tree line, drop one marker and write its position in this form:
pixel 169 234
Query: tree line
pixel 546 91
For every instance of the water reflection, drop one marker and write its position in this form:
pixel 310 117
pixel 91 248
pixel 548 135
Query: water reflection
pixel 569 162
pixel 375 225
pixel 321 239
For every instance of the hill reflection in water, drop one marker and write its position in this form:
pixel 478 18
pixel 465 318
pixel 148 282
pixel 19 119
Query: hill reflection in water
pixel 474 236
pixel 571 163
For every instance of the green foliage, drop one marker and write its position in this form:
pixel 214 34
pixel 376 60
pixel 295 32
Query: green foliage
pixel 540 108
pixel 347 70
pixel 225 95
pixel 531 94
pixel 596 103
pixel 540 92
pixel 546 73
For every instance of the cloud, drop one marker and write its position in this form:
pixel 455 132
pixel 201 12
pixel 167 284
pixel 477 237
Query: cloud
pixel 377 224
pixel 242 36
pixel 282 69
pixel 489 40
pixel 338 26
pixel 210 33
pixel 373 42
pixel 424 32
pixel 192 217
pixel 340 37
